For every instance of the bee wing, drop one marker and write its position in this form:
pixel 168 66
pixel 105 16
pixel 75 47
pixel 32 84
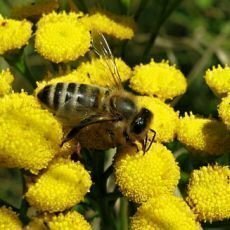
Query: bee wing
pixel 71 115
pixel 101 48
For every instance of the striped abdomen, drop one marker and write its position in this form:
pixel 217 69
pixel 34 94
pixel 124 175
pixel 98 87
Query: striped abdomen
pixel 75 95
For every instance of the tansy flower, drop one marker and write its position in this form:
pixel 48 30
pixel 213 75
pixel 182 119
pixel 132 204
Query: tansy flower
pixel 97 72
pixel 164 212
pixel 203 135
pixel 224 110
pixel 6 78
pixel 61 37
pixel 218 79
pixel 209 193
pixel 93 73
pixel 9 219
pixel 29 136
pixel 165 119
pixel 70 220
pixel 13 34
pixel 121 27
pixel 64 184
pixel 142 176
pixel 158 79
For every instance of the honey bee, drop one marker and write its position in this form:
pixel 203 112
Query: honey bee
pixel 99 118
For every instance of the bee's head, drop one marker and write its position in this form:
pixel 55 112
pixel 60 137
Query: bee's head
pixel 140 123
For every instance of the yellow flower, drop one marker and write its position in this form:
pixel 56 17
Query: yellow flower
pixel 158 79
pixel 9 219
pixel 224 110
pixel 6 78
pixel 29 136
pixel 165 119
pixel 204 135
pixel 64 184
pixel 121 27
pixel 97 73
pixel 218 79
pixel 61 37
pixel 209 193
pixel 71 220
pixel 142 176
pixel 93 73
pixel 164 212
pixel 13 34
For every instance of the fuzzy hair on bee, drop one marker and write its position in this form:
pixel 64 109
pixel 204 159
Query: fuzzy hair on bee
pixel 97 117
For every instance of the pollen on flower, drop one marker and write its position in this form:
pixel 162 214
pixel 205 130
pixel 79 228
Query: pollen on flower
pixel 224 110
pixel 64 184
pixel 165 119
pixel 158 79
pixel 6 78
pixel 121 27
pixel 142 176
pixel 209 193
pixel 164 212
pixel 218 79
pixel 61 37
pixel 29 135
pixel 13 34
pixel 9 219
pixel 72 220
pixel 203 135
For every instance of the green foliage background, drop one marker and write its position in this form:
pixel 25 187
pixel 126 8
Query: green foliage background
pixel 194 35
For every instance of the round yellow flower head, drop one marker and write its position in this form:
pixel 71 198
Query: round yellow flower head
pixel 13 34
pixel 72 220
pixel 142 176
pixel 64 184
pixel 165 119
pixel 96 72
pixel 9 219
pixel 218 79
pixel 6 78
pixel 158 79
pixel 121 27
pixel 203 135
pixel 29 135
pixel 224 110
pixel 209 193
pixel 164 212
pixel 61 37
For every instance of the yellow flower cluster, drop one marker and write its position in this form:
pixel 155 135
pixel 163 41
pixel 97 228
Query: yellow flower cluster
pixel 64 184
pixel 218 79
pixel 13 34
pixel 26 140
pixel 224 110
pixel 164 212
pixel 61 37
pixel 165 119
pixel 93 73
pixel 209 193
pixel 158 79
pixel 9 219
pixel 142 176
pixel 121 27
pixel 70 220
pixel 6 78
pixel 203 135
